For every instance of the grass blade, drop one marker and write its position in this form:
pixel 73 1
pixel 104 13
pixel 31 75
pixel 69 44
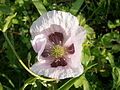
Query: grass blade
pixel 40 7
pixel 68 84
pixel 11 83
pixel 76 6
pixel 1 87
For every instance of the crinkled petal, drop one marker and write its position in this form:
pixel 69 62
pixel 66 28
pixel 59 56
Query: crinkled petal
pixel 39 43
pixel 58 21
pixel 66 20
pixel 43 68
pixel 77 40
pixel 80 35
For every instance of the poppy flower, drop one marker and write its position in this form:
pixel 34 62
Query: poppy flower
pixel 57 38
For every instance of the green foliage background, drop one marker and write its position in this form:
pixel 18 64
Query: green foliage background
pixel 101 53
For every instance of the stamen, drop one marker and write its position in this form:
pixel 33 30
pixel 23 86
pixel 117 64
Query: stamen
pixel 57 51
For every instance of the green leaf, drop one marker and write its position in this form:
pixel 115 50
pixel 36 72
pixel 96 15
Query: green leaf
pixel 81 19
pixel 116 77
pixel 110 59
pixel 89 67
pixel 4 9
pixel 106 39
pixel 82 81
pixel 68 84
pixel 89 29
pixel 8 22
pixel 76 6
pixel 86 56
pixel 45 2
pixel 40 7
pixel 2 1
pixel 79 82
pixel 21 2
pixel 86 85
pixel 109 37
pixel 1 87
pixel 112 25
pixel 116 48
pixel 30 81
pixel 38 86
pixel 25 39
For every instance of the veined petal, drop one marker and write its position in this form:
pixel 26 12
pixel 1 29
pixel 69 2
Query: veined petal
pixel 63 29
pixel 44 68
pixel 80 34
pixel 64 19
pixel 39 43
pixel 77 40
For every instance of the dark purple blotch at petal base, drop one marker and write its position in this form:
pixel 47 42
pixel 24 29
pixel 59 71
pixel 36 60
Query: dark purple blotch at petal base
pixel 71 49
pixel 56 38
pixel 59 62
pixel 46 53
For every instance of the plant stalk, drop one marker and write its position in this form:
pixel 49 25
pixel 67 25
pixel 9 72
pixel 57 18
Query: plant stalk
pixel 21 62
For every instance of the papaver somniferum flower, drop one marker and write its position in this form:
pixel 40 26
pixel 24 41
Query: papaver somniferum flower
pixel 57 39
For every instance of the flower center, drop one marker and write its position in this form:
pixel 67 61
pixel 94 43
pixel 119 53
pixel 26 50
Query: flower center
pixel 57 51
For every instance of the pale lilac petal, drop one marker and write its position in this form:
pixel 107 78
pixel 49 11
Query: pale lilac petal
pixel 44 68
pixel 80 34
pixel 77 40
pixel 66 20
pixel 39 43
pixel 75 59
pixel 73 34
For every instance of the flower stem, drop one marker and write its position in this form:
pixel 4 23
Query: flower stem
pixel 21 62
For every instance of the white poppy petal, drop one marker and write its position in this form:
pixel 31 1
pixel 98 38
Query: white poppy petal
pixel 66 20
pixel 77 40
pixel 80 34
pixel 44 68
pixel 60 30
pixel 39 43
